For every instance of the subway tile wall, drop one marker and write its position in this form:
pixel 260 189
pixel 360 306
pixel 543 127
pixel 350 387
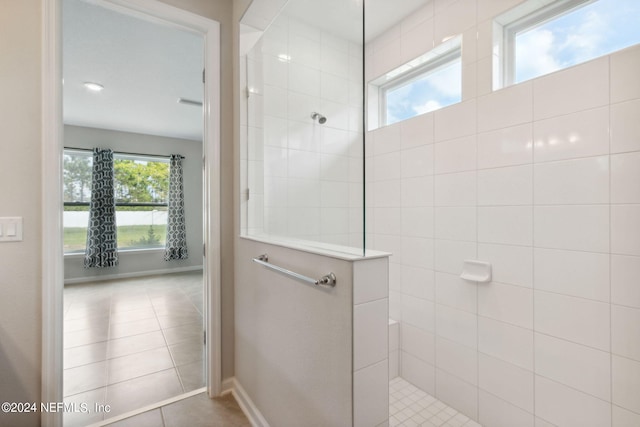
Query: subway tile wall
pixel 542 180
pixel 305 178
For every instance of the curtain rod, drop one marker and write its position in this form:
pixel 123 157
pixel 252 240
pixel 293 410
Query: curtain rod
pixel 123 152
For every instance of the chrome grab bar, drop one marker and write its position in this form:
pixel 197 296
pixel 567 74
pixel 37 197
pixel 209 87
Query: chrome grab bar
pixel 328 280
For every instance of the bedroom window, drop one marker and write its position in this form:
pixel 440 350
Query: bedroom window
pixel 141 189
pixel 533 40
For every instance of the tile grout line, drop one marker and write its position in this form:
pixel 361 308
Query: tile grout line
pixel 611 385
pixel 533 249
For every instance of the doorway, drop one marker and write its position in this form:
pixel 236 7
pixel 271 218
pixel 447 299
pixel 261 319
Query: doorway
pixel 53 278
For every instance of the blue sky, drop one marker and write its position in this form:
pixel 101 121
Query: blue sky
pixel 585 33
pixel 590 31
pixel 438 89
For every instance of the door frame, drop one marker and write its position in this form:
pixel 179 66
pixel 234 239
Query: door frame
pixel 51 151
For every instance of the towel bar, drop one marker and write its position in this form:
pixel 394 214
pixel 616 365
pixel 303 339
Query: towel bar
pixel 328 280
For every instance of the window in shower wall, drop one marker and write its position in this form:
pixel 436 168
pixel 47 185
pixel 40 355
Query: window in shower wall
pixel 427 83
pixel 538 38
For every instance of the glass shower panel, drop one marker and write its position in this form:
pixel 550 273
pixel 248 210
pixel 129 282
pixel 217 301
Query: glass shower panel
pixel 304 127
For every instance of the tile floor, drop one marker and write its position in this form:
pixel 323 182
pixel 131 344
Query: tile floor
pixel 132 342
pixel 411 407
pixel 196 411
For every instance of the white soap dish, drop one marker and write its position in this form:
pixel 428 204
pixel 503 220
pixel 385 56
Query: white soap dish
pixel 477 271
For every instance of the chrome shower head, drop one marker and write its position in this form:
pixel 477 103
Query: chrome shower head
pixel 317 116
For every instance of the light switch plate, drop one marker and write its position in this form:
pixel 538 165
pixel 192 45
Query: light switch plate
pixel 11 229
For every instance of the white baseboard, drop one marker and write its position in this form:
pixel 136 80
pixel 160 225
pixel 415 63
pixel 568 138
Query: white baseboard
pixel 130 275
pixel 227 385
pixel 244 401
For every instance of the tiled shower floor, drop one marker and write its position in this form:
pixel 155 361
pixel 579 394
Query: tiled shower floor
pixel 411 407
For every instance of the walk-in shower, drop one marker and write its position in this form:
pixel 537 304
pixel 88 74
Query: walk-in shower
pixel 455 166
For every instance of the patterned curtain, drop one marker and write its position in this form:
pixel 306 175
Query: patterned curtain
pixel 176 247
pixel 102 245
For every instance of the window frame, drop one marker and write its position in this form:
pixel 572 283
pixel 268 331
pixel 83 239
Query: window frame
pixel 120 156
pixel 428 62
pixel 414 74
pixel 524 17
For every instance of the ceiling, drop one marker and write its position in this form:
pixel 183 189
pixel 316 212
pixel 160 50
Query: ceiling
pixel 144 67
pixel 343 17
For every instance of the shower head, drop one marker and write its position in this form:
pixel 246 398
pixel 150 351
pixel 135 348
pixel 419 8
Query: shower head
pixel 317 116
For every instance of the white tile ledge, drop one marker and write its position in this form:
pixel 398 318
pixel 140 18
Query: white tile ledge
pixel 344 253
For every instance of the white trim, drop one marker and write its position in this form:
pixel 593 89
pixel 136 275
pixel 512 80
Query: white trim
pixel 227 386
pixel 130 275
pixel 345 253
pixel 525 17
pixel 248 407
pixel 52 259
pixel 148 408
pixel 68 255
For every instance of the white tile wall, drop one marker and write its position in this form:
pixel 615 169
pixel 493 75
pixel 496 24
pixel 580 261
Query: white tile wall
pixel 624 274
pixel 581 181
pixel 500 413
pixel 369 345
pixel 577 409
pixel 626 383
pixel 507 303
pixel 574 319
pixel 418 372
pixel 623 418
pixel 624 128
pixel 319 165
pixel 394 349
pixel 576 135
pixel 625 168
pixel 371 395
pixel 625 330
pixel 510 264
pixel 507 107
pixel 507 342
pixel 565 92
pixel 505 147
pixel 509 225
pixel 419 343
pixel 457 393
pixel 418 282
pixel 457 360
pixel 624 68
pixel 540 179
pixel 563 227
pixel 506 381
pixel 581 274
pixel 505 186
pixel 371 342
pixel 583 368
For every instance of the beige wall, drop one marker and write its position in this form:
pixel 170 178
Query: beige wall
pixel 20 187
pixel 20 310
pixel 144 262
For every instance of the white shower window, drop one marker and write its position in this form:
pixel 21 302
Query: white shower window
pixel 537 40
pixel 427 83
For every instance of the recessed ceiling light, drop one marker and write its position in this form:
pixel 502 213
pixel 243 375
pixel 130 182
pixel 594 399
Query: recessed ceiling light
pixel 95 87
